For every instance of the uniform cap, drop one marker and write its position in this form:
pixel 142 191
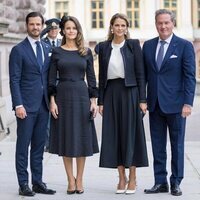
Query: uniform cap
pixel 52 23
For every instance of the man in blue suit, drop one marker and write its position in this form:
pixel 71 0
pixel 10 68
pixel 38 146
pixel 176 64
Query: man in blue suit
pixel 170 67
pixel 28 70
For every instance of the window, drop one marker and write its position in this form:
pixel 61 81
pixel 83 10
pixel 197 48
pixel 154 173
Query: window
pixel 171 5
pixel 133 13
pixel 97 13
pixel 61 8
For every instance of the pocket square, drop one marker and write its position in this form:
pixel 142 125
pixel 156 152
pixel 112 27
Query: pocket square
pixel 173 56
pixel 49 54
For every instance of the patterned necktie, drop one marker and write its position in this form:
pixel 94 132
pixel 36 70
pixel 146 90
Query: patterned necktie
pixel 53 43
pixel 160 54
pixel 39 54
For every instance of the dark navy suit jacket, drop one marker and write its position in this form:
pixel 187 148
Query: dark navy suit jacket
pixel 28 83
pixel 174 84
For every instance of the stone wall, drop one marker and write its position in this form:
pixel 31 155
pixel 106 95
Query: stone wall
pixel 14 12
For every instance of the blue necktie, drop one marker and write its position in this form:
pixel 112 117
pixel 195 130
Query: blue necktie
pixel 160 54
pixel 39 54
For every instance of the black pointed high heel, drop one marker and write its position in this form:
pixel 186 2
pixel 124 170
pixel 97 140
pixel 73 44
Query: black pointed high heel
pixel 72 191
pixel 79 191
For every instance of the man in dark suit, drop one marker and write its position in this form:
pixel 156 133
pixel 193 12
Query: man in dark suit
pixel 170 67
pixel 52 30
pixel 28 70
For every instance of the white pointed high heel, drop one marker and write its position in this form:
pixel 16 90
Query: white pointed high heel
pixel 130 191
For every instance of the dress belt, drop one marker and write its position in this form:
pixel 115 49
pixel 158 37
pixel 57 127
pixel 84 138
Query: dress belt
pixel 70 79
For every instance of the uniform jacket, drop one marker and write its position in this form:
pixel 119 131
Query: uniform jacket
pixel 47 41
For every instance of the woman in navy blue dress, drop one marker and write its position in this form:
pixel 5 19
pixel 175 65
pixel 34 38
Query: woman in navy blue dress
pixel 72 131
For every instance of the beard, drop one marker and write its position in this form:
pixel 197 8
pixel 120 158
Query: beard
pixel 34 33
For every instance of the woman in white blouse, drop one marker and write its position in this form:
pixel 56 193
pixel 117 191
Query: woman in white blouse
pixel 122 103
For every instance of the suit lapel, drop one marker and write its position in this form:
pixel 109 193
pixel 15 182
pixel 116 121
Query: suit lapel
pixel 29 51
pixel 170 51
pixel 107 55
pixel 45 48
pixel 153 53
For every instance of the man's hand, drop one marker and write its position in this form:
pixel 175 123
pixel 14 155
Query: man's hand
pixel 186 111
pixel 20 112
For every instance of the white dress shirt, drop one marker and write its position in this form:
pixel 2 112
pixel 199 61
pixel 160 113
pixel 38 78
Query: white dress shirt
pixel 33 44
pixel 51 40
pixel 116 64
pixel 168 40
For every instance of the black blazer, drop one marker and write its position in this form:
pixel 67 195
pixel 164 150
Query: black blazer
pixel 133 66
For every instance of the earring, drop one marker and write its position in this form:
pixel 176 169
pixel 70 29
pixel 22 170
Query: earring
pixel 111 31
pixel 125 32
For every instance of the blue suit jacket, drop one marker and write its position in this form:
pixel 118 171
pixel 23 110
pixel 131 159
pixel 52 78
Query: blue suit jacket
pixel 174 84
pixel 28 83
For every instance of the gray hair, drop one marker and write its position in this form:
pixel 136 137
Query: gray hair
pixel 165 11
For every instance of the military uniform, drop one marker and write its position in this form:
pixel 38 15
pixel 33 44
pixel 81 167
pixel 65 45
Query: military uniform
pixel 50 24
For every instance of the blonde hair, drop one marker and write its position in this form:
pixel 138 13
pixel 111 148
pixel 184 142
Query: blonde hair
pixel 79 40
pixel 112 21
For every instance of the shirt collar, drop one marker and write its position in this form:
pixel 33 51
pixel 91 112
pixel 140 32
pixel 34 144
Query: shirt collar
pixel 31 40
pixel 51 40
pixel 168 40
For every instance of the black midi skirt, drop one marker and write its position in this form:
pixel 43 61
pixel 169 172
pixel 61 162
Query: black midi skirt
pixel 73 134
pixel 123 138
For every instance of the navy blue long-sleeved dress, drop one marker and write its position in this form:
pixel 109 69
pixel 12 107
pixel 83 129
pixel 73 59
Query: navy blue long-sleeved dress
pixel 73 134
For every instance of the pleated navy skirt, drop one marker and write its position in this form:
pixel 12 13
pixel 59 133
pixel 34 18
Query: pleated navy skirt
pixel 123 138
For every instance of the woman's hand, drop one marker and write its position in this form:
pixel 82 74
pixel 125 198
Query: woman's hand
pixel 54 109
pixel 93 107
pixel 143 107
pixel 101 110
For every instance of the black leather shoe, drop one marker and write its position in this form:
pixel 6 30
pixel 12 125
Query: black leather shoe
pixel 157 188
pixel 42 188
pixel 79 191
pixel 175 190
pixel 24 190
pixel 71 191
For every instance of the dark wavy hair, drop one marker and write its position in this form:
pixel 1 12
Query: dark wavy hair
pixel 34 14
pixel 112 21
pixel 79 40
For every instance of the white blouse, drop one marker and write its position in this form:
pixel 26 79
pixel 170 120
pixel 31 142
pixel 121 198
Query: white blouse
pixel 116 64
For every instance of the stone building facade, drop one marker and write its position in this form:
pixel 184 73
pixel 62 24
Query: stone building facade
pixel 12 31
